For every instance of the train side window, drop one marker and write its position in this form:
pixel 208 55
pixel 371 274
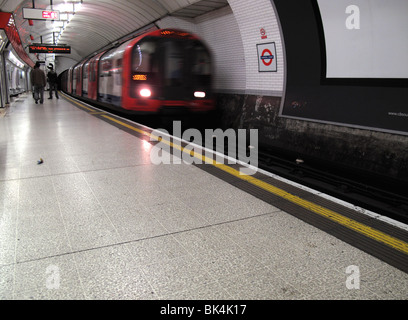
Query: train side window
pixel 106 64
pixel 118 72
pixel 92 73
pixel 106 67
pixel 86 71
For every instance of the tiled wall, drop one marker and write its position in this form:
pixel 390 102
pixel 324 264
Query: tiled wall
pixel 251 17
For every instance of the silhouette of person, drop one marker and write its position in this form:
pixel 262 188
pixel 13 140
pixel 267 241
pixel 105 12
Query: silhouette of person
pixel 38 81
pixel 52 80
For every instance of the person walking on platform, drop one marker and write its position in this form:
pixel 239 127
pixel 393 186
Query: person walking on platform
pixel 38 81
pixel 52 80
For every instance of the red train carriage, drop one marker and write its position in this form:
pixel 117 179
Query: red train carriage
pixel 93 76
pixel 77 79
pixel 165 69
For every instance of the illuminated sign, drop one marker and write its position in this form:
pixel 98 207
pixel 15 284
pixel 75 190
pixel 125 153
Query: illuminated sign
pixel 40 14
pixel 50 15
pixel 43 48
pixel 141 77
pixel 173 33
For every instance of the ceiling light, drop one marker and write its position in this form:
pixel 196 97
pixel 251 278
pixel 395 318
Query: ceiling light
pixel 14 60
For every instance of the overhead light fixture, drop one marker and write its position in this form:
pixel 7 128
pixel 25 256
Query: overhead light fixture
pixel 14 60
pixel 69 8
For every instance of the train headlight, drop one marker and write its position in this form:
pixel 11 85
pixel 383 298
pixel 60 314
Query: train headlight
pixel 145 93
pixel 199 94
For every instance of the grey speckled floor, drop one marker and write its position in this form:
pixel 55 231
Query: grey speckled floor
pixel 97 220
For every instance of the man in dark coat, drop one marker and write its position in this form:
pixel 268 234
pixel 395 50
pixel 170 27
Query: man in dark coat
pixel 38 81
pixel 52 80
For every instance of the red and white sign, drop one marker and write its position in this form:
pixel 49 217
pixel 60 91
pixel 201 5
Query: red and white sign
pixel 50 15
pixel 267 57
pixel 263 33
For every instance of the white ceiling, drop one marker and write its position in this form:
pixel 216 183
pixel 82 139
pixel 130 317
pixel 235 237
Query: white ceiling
pixel 98 23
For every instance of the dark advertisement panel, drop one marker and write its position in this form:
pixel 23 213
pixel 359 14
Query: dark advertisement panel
pixel 354 98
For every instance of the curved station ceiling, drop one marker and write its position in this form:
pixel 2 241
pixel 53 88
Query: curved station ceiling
pixel 90 25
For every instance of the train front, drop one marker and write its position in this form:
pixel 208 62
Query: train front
pixel 170 72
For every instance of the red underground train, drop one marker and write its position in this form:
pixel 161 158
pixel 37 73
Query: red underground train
pixel 158 71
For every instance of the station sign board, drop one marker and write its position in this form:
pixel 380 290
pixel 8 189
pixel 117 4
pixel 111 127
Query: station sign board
pixel 267 57
pixel 45 48
pixel 40 14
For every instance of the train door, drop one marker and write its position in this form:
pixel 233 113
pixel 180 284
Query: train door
pixel 3 91
pixel 85 80
pixel 69 80
pixel 79 80
pixel 105 81
pixel 187 70
pixel 93 77
pixel 175 70
pixel 3 95
pixel 200 69
pixel 74 80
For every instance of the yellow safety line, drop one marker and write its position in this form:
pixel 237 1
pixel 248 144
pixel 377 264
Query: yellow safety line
pixel 78 104
pixel 327 213
pixel 97 113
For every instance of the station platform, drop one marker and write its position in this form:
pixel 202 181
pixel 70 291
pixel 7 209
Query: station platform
pixel 86 215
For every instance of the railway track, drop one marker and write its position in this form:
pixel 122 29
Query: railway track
pixel 382 195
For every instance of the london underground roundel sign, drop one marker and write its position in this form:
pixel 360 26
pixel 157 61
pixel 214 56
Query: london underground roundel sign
pixel 267 57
